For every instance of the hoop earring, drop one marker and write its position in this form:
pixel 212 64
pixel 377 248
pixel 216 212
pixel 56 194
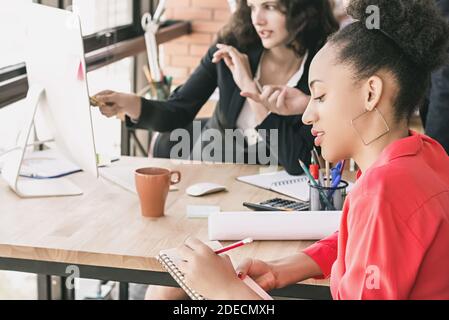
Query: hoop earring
pixel 370 126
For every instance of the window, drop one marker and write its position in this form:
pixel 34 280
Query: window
pixel 107 26
pixel 11 32
pixel 97 18
pixel 101 15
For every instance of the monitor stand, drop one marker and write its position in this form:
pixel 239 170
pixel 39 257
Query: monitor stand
pixel 26 187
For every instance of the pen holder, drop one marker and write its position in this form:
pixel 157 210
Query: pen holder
pixel 335 196
pixel 159 90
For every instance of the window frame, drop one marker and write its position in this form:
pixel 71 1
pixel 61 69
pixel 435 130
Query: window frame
pixel 100 50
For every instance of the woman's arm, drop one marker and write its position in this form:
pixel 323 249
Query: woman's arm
pixel 294 269
pixel 238 64
pixel 214 276
pixel 324 253
pixel 281 100
pixel 184 104
pixel 295 140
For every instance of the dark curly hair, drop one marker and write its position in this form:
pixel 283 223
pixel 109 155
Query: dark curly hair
pixel 309 22
pixel 411 43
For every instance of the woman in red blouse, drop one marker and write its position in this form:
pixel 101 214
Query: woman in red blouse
pixel 393 241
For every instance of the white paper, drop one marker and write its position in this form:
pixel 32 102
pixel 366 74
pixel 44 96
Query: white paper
pixel 302 225
pixel 296 187
pixel 266 180
pixel 198 212
pixel 47 164
pixel 121 176
pixel 281 182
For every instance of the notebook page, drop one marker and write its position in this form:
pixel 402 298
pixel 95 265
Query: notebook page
pixel 175 258
pixel 266 180
pixel 297 188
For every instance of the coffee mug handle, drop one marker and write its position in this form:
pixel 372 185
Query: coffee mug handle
pixel 178 179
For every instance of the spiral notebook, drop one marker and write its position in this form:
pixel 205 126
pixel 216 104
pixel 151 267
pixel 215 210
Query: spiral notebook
pixel 296 187
pixel 169 258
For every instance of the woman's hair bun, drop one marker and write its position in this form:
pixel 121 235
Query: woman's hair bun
pixel 417 27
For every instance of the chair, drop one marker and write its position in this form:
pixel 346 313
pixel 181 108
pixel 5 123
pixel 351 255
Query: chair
pixel 163 146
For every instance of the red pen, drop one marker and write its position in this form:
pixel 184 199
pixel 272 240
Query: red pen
pixel 234 245
pixel 314 169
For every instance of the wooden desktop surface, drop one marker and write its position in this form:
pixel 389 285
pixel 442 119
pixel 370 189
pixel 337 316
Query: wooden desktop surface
pixel 104 226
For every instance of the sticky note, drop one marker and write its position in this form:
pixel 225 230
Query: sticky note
pixel 201 212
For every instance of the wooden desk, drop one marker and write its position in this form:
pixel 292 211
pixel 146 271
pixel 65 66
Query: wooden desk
pixel 103 233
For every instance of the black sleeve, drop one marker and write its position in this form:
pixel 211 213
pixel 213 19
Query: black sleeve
pixel 438 110
pixel 185 102
pixel 295 141
pixel 438 113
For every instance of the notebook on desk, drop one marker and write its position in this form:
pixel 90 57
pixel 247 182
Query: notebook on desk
pixel 296 187
pixel 169 258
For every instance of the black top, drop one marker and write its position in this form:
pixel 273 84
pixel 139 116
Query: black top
pixel 295 140
pixel 438 108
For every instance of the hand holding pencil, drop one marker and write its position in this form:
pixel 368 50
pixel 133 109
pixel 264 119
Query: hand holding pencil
pixel 210 274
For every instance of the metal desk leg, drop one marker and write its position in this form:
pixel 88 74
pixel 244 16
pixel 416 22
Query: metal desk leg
pixel 43 287
pixel 123 291
pixel 66 293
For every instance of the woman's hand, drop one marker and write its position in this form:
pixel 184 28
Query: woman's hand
pixel 281 100
pixel 211 275
pixel 113 103
pixel 261 272
pixel 239 65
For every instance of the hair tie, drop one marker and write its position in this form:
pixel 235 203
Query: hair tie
pixel 396 43
pixel 393 41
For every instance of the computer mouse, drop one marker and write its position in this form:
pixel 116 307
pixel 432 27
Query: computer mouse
pixel 201 189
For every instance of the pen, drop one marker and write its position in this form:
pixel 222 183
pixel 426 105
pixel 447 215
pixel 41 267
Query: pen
pixel 150 81
pixel 315 184
pixel 343 163
pixel 327 174
pixel 314 169
pixel 334 187
pixel 234 245
pixel 336 177
pixel 317 156
pixel 321 179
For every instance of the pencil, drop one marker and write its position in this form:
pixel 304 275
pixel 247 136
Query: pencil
pixel 150 80
pixel 234 245
pixel 320 162
pixel 316 185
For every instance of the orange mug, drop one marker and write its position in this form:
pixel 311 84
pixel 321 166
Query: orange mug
pixel 152 186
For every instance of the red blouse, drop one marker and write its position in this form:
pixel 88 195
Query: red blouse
pixel 393 241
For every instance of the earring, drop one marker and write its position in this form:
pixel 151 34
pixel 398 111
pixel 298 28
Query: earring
pixel 370 126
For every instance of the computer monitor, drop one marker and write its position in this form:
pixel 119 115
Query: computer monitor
pixel 58 91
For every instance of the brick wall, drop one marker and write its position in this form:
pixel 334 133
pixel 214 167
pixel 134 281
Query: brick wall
pixel 182 56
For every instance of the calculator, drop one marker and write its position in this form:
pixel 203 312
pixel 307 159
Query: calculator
pixel 278 204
